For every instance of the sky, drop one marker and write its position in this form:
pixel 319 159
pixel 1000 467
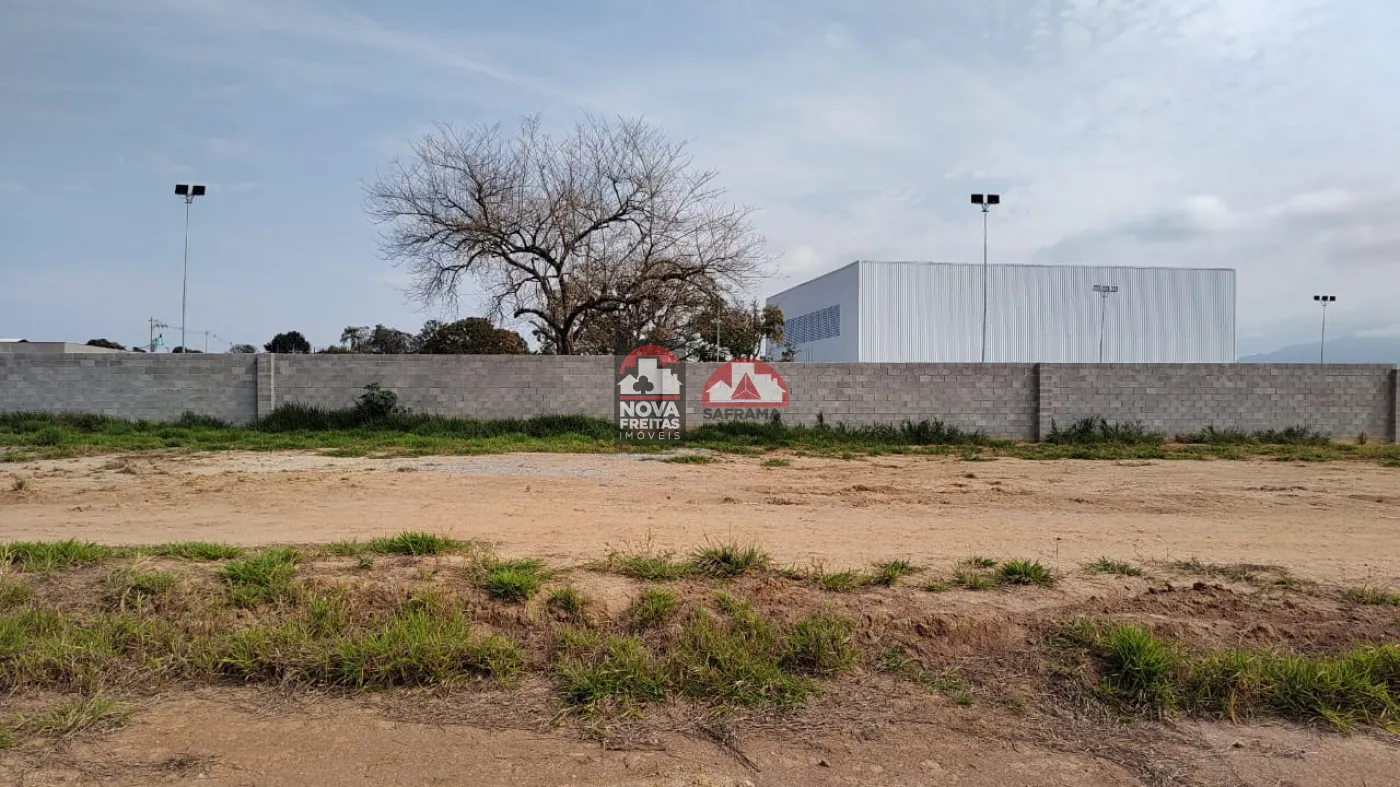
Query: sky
pixel 1260 135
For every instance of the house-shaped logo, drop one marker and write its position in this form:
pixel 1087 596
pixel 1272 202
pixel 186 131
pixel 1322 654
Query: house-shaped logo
pixel 650 395
pixel 747 384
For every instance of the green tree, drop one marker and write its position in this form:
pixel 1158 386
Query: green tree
pixel 726 331
pixel 107 343
pixel 469 336
pixel 289 342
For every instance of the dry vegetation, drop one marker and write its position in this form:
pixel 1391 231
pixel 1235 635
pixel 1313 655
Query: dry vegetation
pixel 95 629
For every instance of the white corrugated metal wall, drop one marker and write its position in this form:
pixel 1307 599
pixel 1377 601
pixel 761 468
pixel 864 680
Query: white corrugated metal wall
pixel 932 312
pixel 811 303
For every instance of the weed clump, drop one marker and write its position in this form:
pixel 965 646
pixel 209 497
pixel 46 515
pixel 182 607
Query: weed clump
pixel 729 559
pixel 1096 430
pixel 1025 572
pixel 618 671
pixel 1116 567
pixel 269 576
pixel 514 580
pixel 1141 671
pixel 567 602
pixel 1372 596
pixel 79 714
pixel 132 587
pixel 820 645
pixel 52 555
pixel 204 551
pixel 649 567
pixel 888 573
pixel 653 607
pixel 413 543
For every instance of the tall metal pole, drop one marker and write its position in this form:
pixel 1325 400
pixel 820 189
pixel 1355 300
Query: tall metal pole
pixel 985 211
pixel 1103 320
pixel 185 283
pixel 1322 346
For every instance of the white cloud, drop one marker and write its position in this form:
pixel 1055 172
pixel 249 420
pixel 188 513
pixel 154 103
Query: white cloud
pixel 1226 133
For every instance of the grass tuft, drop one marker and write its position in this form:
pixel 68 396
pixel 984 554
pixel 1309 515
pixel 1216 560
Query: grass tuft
pixel 888 573
pixel 268 576
pixel 51 555
pixel 821 645
pixel 775 462
pixel 14 593
pixel 420 647
pixel 974 580
pixel 977 561
pixel 1117 567
pixel 1025 572
pixel 1141 671
pixel 729 559
pixel 567 602
pixel 515 580
pixel 80 714
pixel 130 587
pixel 1095 430
pixel 619 671
pixel 1372 596
pixel 650 567
pixel 206 551
pixel 413 543
pixel 653 607
pixel 839 581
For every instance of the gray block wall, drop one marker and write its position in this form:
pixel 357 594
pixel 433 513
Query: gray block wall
pixel 1018 401
pixel 1340 400
pixel 999 399
pixel 131 385
pixel 485 387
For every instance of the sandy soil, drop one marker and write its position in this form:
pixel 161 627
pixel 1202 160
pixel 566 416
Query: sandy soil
pixel 1335 521
pixel 237 738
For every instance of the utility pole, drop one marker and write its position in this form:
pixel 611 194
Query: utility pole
pixel 1104 290
pixel 154 325
pixel 986 201
pixel 1322 346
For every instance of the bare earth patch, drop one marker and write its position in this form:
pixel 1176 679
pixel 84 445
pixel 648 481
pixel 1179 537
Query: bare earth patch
pixel 1277 543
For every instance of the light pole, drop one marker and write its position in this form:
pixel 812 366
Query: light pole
pixel 1104 290
pixel 188 192
pixel 1322 346
pixel 986 201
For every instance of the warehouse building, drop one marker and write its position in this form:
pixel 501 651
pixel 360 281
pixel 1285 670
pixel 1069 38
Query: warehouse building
pixel 932 312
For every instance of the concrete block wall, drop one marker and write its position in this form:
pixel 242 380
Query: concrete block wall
pixel 1018 401
pixel 486 387
pixel 1340 400
pixel 999 399
pixel 131 385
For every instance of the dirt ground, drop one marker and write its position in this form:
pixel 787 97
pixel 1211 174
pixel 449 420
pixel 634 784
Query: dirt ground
pixel 242 739
pixel 1333 523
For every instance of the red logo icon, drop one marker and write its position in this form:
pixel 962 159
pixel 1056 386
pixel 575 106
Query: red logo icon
pixel 745 384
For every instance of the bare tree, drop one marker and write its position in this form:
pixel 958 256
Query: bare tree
pixel 564 231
